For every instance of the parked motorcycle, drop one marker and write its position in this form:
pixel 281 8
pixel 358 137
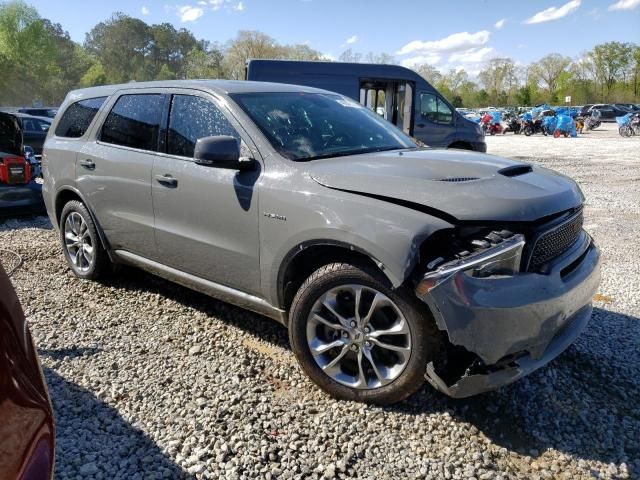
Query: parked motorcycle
pixel 511 124
pixel 530 126
pixel 490 124
pixel 593 121
pixel 629 124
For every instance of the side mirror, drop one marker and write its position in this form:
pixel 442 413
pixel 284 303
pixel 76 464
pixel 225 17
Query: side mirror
pixel 221 151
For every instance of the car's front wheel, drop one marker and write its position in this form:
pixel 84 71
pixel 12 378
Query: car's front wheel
pixel 357 338
pixel 82 247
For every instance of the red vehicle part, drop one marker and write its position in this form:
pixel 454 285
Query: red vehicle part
pixel 26 418
pixel 14 170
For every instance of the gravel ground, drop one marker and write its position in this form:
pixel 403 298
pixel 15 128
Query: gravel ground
pixel 150 380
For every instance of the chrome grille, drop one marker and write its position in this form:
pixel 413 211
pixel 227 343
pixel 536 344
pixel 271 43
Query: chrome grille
pixel 555 241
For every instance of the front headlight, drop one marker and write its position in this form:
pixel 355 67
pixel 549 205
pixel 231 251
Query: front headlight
pixel 498 254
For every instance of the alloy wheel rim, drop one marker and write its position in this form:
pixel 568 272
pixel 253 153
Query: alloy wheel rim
pixel 78 242
pixel 358 336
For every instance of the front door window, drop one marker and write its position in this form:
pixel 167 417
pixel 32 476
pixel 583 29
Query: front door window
pixel 434 109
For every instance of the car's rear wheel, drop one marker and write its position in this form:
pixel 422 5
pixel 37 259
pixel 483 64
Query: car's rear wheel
pixel 80 242
pixel 357 338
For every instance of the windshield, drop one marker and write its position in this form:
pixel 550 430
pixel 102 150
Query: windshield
pixel 306 126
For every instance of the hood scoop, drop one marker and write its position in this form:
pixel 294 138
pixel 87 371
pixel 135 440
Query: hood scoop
pixel 459 179
pixel 515 170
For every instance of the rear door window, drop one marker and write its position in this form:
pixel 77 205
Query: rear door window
pixel 134 121
pixel 78 116
pixel 192 118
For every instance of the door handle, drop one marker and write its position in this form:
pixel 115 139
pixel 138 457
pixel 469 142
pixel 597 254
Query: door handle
pixel 167 180
pixel 88 164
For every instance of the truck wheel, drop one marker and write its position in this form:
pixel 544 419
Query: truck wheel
pixel 358 339
pixel 80 242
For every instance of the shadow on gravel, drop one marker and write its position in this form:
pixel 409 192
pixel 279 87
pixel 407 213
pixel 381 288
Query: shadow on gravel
pixel 582 404
pixel 25 221
pixel 92 437
pixel 255 324
pixel 67 353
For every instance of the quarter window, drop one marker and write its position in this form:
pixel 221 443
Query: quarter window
pixel 434 109
pixel 192 118
pixel 134 121
pixel 78 116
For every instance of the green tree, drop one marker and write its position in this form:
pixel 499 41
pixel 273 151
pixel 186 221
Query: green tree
pixel 27 54
pixel 250 44
pixel 95 75
pixel 121 44
pixel 611 60
pixel 204 64
pixel 548 70
pixel 523 96
pixel 499 80
pixel 428 72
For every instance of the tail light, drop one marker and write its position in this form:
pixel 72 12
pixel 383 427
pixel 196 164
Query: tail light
pixel 14 171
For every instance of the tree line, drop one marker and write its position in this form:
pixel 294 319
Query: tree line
pixel 610 72
pixel 40 63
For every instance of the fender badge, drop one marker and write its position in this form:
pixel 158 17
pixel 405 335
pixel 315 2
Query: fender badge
pixel 275 216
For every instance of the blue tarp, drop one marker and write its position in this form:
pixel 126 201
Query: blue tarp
pixel 549 123
pixel 535 111
pixel 526 116
pixel 624 120
pixel 496 117
pixel 570 111
pixel 566 125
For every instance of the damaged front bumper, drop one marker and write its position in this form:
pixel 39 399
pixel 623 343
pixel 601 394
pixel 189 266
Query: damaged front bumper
pixel 507 324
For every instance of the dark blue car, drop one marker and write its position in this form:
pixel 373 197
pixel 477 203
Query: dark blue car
pixel 398 94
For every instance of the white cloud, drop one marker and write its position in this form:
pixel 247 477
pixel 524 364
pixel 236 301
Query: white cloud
pixel 624 5
pixel 555 13
pixel 474 55
pixel 190 14
pixel 239 7
pixel 352 39
pixel 144 10
pixel 500 23
pixel 431 59
pixel 454 42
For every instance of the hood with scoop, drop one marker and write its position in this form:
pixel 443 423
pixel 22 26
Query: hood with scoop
pixel 456 185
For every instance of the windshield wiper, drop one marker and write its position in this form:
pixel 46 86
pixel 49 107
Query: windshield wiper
pixel 347 153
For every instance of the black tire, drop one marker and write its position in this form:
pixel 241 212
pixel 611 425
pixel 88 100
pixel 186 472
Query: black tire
pixel 423 332
pixel 100 261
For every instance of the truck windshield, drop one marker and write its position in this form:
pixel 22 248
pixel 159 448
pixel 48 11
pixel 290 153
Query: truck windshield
pixel 307 126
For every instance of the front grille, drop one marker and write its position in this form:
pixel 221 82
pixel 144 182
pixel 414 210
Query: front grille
pixel 554 242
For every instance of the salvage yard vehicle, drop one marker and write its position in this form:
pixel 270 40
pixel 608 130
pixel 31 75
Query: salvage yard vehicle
pixel 389 263
pixel 20 193
pixel 34 131
pixel 405 98
pixel 26 417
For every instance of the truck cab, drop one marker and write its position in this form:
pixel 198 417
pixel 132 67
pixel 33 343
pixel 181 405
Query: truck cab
pixel 397 93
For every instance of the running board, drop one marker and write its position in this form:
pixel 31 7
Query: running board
pixel 221 292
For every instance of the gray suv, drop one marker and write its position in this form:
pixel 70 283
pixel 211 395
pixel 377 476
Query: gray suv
pixel 388 263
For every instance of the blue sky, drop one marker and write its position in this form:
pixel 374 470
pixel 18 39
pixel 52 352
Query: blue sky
pixel 445 33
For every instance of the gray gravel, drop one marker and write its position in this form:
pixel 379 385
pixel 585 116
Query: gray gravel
pixel 150 380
